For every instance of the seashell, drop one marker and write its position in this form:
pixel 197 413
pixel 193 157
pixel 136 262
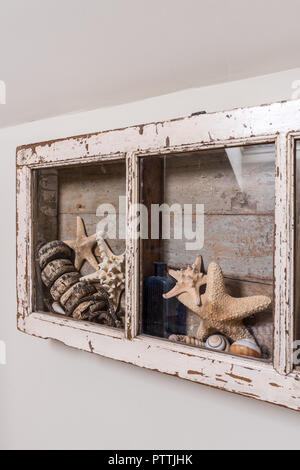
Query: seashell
pixel 186 340
pixel 57 308
pixel 217 343
pixel 174 338
pixel 245 347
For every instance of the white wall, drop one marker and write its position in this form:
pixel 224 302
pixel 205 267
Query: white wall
pixel 53 397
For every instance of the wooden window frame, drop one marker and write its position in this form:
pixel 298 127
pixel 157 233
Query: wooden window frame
pixel 277 382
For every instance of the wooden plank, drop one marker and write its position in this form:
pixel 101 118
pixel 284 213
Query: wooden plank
pixel 151 192
pixel 83 189
pixel 244 125
pixel 243 246
pixel 250 378
pixel 67 229
pixel 239 288
pixel 284 256
pixel 45 227
pixel 297 240
pixel 132 278
pixel 24 243
pixel 210 178
pixel 46 224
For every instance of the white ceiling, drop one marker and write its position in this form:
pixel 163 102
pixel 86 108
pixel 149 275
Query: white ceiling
pixel 61 56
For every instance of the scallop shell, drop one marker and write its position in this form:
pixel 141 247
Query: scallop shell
pixel 245 347
pixel 217 343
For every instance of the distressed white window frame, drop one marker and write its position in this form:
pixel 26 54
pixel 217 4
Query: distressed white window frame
pixel 275 382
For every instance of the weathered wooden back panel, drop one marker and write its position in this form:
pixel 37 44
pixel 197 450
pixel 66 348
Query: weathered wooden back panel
pixel 237 189
pixel 237 192
pixel 81 191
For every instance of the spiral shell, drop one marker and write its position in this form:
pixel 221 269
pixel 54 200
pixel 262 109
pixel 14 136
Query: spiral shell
pixel 71 297
pixel 217 343
pixel 246 347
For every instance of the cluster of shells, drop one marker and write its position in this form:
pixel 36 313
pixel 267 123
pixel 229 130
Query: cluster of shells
pixel 217 342
pixel 218 310
pixel 68 294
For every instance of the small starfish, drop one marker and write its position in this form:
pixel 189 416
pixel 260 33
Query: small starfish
pixel 189 281
pixel 221 312
pixel 83 246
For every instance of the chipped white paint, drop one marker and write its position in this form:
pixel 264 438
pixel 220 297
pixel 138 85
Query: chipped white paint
pixel 132 254
pixel 205 129
pixel 280 123
pixel 284 258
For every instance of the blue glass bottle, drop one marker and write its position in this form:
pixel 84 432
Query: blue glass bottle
pixel 162 317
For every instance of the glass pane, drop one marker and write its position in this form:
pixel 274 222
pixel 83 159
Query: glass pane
pixel 79 242
pixel 297 260
pixel 206 257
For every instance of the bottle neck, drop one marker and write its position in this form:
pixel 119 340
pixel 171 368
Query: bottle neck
pixel 161 269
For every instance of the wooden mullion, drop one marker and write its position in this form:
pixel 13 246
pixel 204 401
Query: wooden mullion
pixel 132 248
pixel 284 256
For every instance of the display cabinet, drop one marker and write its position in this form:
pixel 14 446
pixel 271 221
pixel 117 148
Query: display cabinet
pixel 172 246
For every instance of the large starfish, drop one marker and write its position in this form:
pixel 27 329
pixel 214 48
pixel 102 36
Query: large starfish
pixel 188 281
pixel 221 312
pixel 83 246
